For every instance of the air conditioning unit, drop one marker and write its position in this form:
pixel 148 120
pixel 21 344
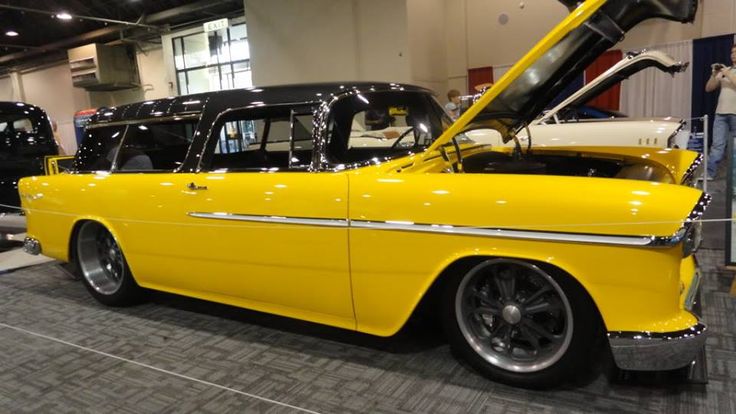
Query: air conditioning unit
pixel 97 67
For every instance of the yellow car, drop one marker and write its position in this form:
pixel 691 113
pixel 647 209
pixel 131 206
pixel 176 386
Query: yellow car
pixel 258 198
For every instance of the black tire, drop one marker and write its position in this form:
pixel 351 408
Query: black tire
pixel 520 324
pixel 101 265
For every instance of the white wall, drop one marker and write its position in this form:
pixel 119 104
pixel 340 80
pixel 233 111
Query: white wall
pixel 456 45
pixel 427 32
pixel 659 32
pixel 718 16
pixel 6 89
pixel 327 40
pixel 383 50
pixel 492 43
pixel 154 78
pixel 52 90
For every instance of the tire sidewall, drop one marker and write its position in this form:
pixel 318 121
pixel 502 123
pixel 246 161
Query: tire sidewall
pixel 575 359
pixel 129 293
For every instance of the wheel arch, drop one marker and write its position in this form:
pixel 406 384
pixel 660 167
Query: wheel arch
pixel 430 300
pixel 77 225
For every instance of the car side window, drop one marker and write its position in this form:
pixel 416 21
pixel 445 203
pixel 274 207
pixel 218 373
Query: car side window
pixel 261 139
pixel 98 148
pixel 381 124
pixel 159 146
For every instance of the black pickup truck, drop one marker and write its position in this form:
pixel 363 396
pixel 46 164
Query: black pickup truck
pixel 26 137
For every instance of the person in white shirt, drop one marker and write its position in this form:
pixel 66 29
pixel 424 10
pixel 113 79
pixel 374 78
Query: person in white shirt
pixel 724 125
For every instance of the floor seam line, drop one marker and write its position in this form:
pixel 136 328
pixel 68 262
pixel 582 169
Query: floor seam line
pixel 154 368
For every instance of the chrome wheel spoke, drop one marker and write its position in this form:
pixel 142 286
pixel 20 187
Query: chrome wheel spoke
pixel 486 310
pixel 539 330
pixel 541 307
pixel 529 337
pixel 484 298
pixel 537 295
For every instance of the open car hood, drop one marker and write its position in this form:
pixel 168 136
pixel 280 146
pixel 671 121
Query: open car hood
pixel 591 28
pixel 632 63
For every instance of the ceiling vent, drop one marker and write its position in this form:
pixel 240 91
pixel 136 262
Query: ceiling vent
pixel 97 67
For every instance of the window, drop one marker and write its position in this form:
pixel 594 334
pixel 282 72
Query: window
pixel 382 124
pixel 98 148
pixel 145 147
pixel 155 146
pixel 261 139
pixel 213 61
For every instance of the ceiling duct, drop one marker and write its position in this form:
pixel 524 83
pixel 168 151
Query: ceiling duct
pixel 97 67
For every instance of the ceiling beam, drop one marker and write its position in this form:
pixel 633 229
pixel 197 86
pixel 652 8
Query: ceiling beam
pixel 66 43
pixel 149 20
pixel 76 16
pixel 187 9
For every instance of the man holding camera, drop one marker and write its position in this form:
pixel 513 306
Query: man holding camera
pixel 724 125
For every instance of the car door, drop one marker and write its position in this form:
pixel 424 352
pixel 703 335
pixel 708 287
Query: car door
pixel 265 233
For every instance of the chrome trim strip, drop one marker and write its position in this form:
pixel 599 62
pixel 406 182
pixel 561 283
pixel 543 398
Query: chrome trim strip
pixel 699 209
pixel 136 121
pixel 504 233
pixel 621 240
pixel 651 351
pixel 688 176
pixel 692 298
pixel 272 219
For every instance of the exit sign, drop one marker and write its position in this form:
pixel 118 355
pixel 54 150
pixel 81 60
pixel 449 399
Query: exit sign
pixel 215 25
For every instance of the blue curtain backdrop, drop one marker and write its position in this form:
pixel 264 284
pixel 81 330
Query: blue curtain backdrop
pixel 707 51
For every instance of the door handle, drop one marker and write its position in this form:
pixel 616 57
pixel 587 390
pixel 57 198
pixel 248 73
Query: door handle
pixel 195 187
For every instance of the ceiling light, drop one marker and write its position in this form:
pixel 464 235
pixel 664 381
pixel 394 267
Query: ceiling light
pixel 11 33
pixel 64 16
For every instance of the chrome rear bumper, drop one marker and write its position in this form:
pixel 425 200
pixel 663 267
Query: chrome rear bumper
pixel 32 246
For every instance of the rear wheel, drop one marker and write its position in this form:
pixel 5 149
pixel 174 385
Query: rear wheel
pixel 519 324
pixel 103 268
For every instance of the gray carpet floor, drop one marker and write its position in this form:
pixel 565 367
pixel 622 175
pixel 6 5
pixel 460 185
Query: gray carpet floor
pixel 62 352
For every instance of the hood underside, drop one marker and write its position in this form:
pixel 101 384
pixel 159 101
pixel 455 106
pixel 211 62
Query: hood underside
pixel 631 64
pixel 592 27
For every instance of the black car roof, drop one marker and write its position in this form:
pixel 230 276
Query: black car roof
pixel 19 107
pixel 233 98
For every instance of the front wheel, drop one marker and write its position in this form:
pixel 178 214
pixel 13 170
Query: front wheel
pixel 103 268
pixel 519 324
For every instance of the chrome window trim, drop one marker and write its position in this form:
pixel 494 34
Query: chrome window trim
pixel 136 121
pixel 620 240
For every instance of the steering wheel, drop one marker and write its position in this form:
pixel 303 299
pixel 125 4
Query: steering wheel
pixel 402 136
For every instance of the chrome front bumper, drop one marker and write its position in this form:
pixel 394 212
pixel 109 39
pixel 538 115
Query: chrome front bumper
pixel 652 351
pixel 649 351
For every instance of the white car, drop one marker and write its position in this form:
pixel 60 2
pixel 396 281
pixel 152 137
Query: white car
pixel 568 124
